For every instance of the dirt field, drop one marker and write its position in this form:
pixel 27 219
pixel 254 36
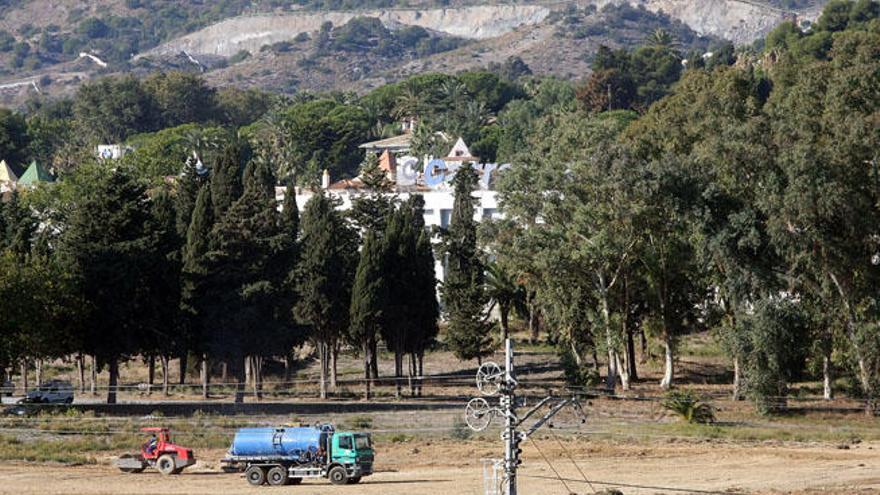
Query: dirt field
pixel 448 467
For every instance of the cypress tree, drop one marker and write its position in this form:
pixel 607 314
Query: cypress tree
pixel 463 293
pixel 288 257
pixel 244 283
pixel 194 272
pixel 226 186
pixel 426 310
pixel 20 226
pixel 107 246
pixel 368 299
pixel 189 183
pixel 325 275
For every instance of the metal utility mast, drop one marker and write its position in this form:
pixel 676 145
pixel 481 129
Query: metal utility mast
pixel 491 381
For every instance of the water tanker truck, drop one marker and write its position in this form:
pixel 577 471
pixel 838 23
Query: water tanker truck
pixel 287 455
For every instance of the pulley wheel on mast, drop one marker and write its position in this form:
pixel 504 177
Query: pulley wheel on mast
pixel 489 378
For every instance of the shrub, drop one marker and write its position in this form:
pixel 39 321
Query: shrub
pixel 460 429
pixel 689 406
pixel 576 375
pixel 362 422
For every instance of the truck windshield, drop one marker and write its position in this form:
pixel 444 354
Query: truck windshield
pixel 362 442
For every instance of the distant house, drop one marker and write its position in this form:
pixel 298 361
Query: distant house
pixel 35 174
pixel 8 179
pixel 427 176
pixel 112 151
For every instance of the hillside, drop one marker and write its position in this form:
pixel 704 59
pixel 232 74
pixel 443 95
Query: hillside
pixel 51 47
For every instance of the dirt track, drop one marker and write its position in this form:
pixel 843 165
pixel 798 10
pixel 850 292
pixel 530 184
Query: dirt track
pixel 452 468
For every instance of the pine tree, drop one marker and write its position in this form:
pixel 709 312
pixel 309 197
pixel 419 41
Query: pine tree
pixel 463 292
pixel 325 275
pixel 368 299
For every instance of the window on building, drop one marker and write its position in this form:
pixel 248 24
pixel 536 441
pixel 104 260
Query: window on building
pixel 489 213
pixel 445 216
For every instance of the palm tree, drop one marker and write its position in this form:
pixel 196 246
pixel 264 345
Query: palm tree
pixel 505 291
pixel 661 38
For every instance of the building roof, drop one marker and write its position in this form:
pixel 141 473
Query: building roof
pixel 396 143
pixel 35 173
pixel 6 172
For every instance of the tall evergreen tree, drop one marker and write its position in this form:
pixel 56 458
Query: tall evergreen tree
pixel 288 258
pixel 463 290
pixel 108 248
pixel 368 299
pixel 226 185
pixel 243 281
pixel 326 272
pixel 194 272
pixel 20 226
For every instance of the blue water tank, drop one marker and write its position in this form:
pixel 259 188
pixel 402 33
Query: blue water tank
pixel 292 443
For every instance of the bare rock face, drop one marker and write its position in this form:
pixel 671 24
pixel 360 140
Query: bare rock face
pixel 740 21
pixel 251 32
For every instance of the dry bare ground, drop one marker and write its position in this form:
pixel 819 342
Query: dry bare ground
pixel 447 467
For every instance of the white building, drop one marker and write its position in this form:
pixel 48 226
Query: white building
pixel 434 184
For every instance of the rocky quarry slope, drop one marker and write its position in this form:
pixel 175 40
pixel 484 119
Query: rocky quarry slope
pixel 736 20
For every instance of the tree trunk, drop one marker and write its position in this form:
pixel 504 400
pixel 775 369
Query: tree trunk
pixel 668 368
pixel 412 374
pixel 398 372
pixel 165 372
pixel 613 359
pixel 828 392
pixel 93 385
pixel 240 379
pixel 623 372
pixel 151 374
pixel 334 355
pixel 737 378
pixel 114 379
pixel 504 309
pixel 81 372
pixel 421 371
pixel 258 377
pixel 643 345
pixel 288 369
pixel 224 373
pixel 374 365
pixel 367 378
pixel 206 377
pixel 38 371
pixel 324 359
pixel 24 376
pixel 183 363
pixel 534 322
pixel 630 354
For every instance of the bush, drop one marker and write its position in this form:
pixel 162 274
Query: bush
pixel 689 406
pixel 238 57
pixel 577 375
pixel 460 429
pixel 362 422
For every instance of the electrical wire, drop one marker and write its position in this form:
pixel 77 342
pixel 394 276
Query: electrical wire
pixel 568 454
pixel 567 489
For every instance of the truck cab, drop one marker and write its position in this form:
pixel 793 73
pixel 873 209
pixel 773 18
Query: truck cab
pixel 354 452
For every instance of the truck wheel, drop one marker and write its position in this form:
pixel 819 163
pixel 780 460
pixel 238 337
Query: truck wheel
pixel 255 475
pixel 165 464
pixel 354 480
pixel 277 476
pixel 338 476
pixel 294 481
